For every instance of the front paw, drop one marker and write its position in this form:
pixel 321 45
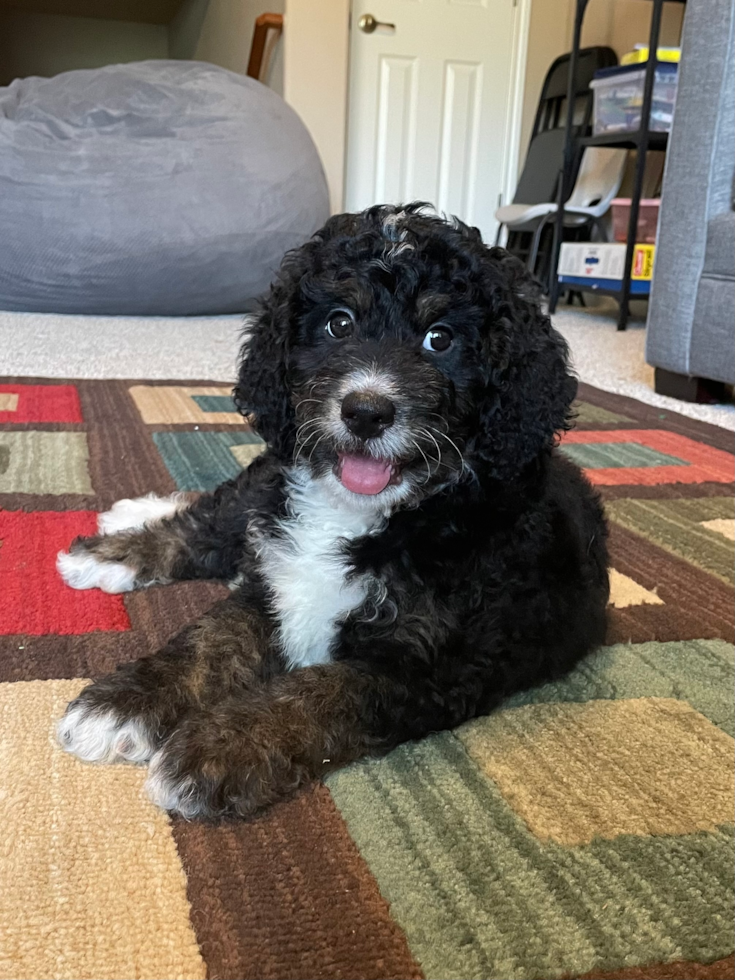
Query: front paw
pixel 95 729
pixel 207 769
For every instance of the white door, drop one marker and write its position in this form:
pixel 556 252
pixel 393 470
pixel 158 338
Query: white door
pixel 430 105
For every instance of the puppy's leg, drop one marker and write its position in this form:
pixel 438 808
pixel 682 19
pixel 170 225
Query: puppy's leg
pixel 140 543
pixel 127 715
pixel 260 745
pixel 134 515
pixel 156 540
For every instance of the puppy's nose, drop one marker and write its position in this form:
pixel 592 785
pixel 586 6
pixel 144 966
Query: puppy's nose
pixel 366 414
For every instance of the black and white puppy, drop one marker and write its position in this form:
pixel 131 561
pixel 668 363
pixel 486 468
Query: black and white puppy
pixel 409 550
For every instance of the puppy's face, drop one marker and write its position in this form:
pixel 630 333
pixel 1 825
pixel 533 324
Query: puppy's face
pixel 396 337
pixel 384 366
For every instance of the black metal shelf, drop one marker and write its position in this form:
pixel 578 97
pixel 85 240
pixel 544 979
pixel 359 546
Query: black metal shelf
pixel 641 141
pixel 628 141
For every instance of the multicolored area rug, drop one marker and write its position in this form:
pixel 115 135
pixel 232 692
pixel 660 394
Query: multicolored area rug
pixel 585 830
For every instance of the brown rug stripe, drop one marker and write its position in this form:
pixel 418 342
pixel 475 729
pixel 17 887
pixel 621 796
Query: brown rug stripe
pixel 30 658
pixel 667 491
pixel 40 501
pixel 45 426
pixel 680 970
pixel 696 605
pixel 295 874
pixel 115 431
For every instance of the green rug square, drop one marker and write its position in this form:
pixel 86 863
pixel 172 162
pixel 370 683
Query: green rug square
pixel 203 460
pixel 606 455
pixel 44 462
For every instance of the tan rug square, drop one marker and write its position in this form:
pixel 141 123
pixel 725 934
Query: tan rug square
pixel 247 452
pixel 92 886
pixel 603 768
pixel 625 591
pixel 176 404
pixel 8 401
pixel 722 525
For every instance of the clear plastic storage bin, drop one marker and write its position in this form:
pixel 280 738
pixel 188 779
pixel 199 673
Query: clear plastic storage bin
pixel 618 98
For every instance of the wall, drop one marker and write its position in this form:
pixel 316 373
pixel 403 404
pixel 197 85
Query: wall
pixel 316 66
pixel 46 44
pixel 549 35
pixel 621 24
pixel 221 31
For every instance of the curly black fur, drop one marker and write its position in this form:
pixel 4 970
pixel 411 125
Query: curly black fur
pixel 487 570
pixel 501 577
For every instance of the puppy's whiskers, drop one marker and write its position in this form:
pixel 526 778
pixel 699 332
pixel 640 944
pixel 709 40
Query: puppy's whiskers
pixel 444 424
pixel 306 424
pixel 317 401
pixel 303 428
pixel 426 432
pixel 302 441
pixel 428 467
pixel 323 383
pixel 322 436
pixel 463 465
pixel 438 459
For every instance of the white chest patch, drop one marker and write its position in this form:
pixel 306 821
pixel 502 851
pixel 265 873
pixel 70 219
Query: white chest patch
pixel 306 571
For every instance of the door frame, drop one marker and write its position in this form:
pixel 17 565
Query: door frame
pixel 317 32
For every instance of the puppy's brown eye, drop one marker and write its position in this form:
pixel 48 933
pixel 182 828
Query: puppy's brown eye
pixel 339 324
pixel 438 339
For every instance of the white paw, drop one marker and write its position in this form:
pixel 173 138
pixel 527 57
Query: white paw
pixel 82 570
pixel 132 515
pixel 98 736
pixel 177 794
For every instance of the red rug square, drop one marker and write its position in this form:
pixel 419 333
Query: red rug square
pixel 39 403
pixel 33 598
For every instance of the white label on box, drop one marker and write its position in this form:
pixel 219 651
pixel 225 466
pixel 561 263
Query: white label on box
pixel 604 261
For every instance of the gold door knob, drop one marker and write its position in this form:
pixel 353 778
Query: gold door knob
pixel 367 24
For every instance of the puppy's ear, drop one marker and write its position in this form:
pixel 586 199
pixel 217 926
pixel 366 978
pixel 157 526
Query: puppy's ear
pixel 262 389
pixel 530 389
pixel 261 392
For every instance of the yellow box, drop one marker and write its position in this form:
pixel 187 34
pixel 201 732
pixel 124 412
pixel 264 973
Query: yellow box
pixel 642 267
pixel 640 55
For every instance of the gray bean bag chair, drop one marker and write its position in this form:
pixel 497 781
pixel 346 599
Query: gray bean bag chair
pixel 162 187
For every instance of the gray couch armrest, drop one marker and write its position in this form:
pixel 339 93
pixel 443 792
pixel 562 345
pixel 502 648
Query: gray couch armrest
pixel 698 179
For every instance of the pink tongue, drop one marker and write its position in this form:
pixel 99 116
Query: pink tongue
pixel 363 474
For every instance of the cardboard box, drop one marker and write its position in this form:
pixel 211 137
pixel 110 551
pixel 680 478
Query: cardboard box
pixel 604 261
